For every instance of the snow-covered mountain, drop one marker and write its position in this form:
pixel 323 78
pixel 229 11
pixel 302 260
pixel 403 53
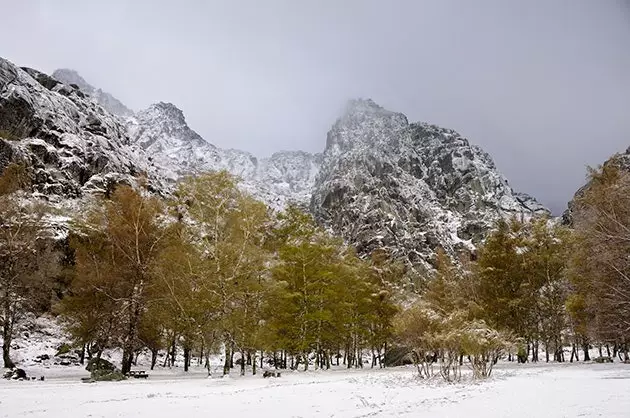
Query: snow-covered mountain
pixel 70 145
pixel 162 131
pixel 109 102
pixel 386 183
pixel 620 161
pixel 380 182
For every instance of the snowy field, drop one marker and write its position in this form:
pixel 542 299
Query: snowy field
pixel 557 390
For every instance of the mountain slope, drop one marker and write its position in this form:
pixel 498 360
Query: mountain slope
pixel 620 161
pixel 109 102
pixel 162 131
pixel 70 145
pixel 381 182
pixel 409 187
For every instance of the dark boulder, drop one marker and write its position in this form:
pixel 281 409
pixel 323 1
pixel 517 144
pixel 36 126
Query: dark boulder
pixel 99 364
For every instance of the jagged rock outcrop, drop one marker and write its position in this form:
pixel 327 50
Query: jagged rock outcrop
pixel 162 131
pixel 381 181
pixel 410 188
pixel 70 145
pixel 619 160
pixel 109 102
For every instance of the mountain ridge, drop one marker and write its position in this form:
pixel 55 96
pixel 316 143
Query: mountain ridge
pixel 380 182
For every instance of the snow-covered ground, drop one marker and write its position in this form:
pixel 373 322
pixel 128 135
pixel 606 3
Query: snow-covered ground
pixel 555 390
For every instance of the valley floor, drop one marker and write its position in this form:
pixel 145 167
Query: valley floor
pixel 555 390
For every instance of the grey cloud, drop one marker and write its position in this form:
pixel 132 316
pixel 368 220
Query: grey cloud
pixel 543 86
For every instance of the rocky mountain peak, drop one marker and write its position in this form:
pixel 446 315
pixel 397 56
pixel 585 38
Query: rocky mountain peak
pixel 109 102
pixel 362 124
pixel 409 188
pixel 165 110
pixel 68 76
pixel 69 144
pixel 381 182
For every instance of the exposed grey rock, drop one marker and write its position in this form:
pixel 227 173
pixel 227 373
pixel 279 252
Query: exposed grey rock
pixel 70 145
pixel 381 182
pixel 619 160
pixel 162 131
pixel 109 102
pixel 409 188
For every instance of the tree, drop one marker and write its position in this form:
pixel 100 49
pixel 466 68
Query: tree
pixel 229 230
pixel 27 261
pixel 520 282
pixel 599 263
pixel 118 247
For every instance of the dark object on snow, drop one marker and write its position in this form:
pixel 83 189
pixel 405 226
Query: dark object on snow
pixel 99 364
pixel 107 376
pixel 269 373
pixel 603 359
pixel 41 378
pixel 102 370
pixel 138 374
pixel 41 358
pixel 33 378
pixel 19 374
pixel 15 374
pixel 64 348
pixel 398 356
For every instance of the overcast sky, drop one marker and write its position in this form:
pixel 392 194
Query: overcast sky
pixel 543 86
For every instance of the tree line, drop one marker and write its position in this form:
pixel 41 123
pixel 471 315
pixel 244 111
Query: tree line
pixel 210 269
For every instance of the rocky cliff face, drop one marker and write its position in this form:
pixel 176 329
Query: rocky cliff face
pixel 620 161
pixel 381 181
pixel 109 102
pixel 162 131
pixel 70 144
pixel 409 187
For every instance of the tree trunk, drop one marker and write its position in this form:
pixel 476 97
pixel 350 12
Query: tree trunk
pixel 127 360
pixel 186 358
pixel 173 351
pixel 6 347
pixel 243 363
pixel 154 355
pixel 382 360
pixel 231 355
pixel 587 356
pixel 254 363
pixel 82 357
pixel 226 363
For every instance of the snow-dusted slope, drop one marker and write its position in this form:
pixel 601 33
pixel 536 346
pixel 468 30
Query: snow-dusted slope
pixel 162 131
pixel 109 102
pixel 69 144
pixel 409 187
pixel 381 181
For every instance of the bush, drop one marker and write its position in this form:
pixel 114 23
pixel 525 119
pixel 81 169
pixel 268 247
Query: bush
pixel 107 376
pixel 99 364
pixel 64 348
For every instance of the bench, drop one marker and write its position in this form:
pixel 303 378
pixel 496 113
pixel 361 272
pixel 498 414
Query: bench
pixel 268 373
pixel 138 374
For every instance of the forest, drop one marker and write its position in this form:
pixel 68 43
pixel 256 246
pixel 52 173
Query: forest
pixel 209 269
